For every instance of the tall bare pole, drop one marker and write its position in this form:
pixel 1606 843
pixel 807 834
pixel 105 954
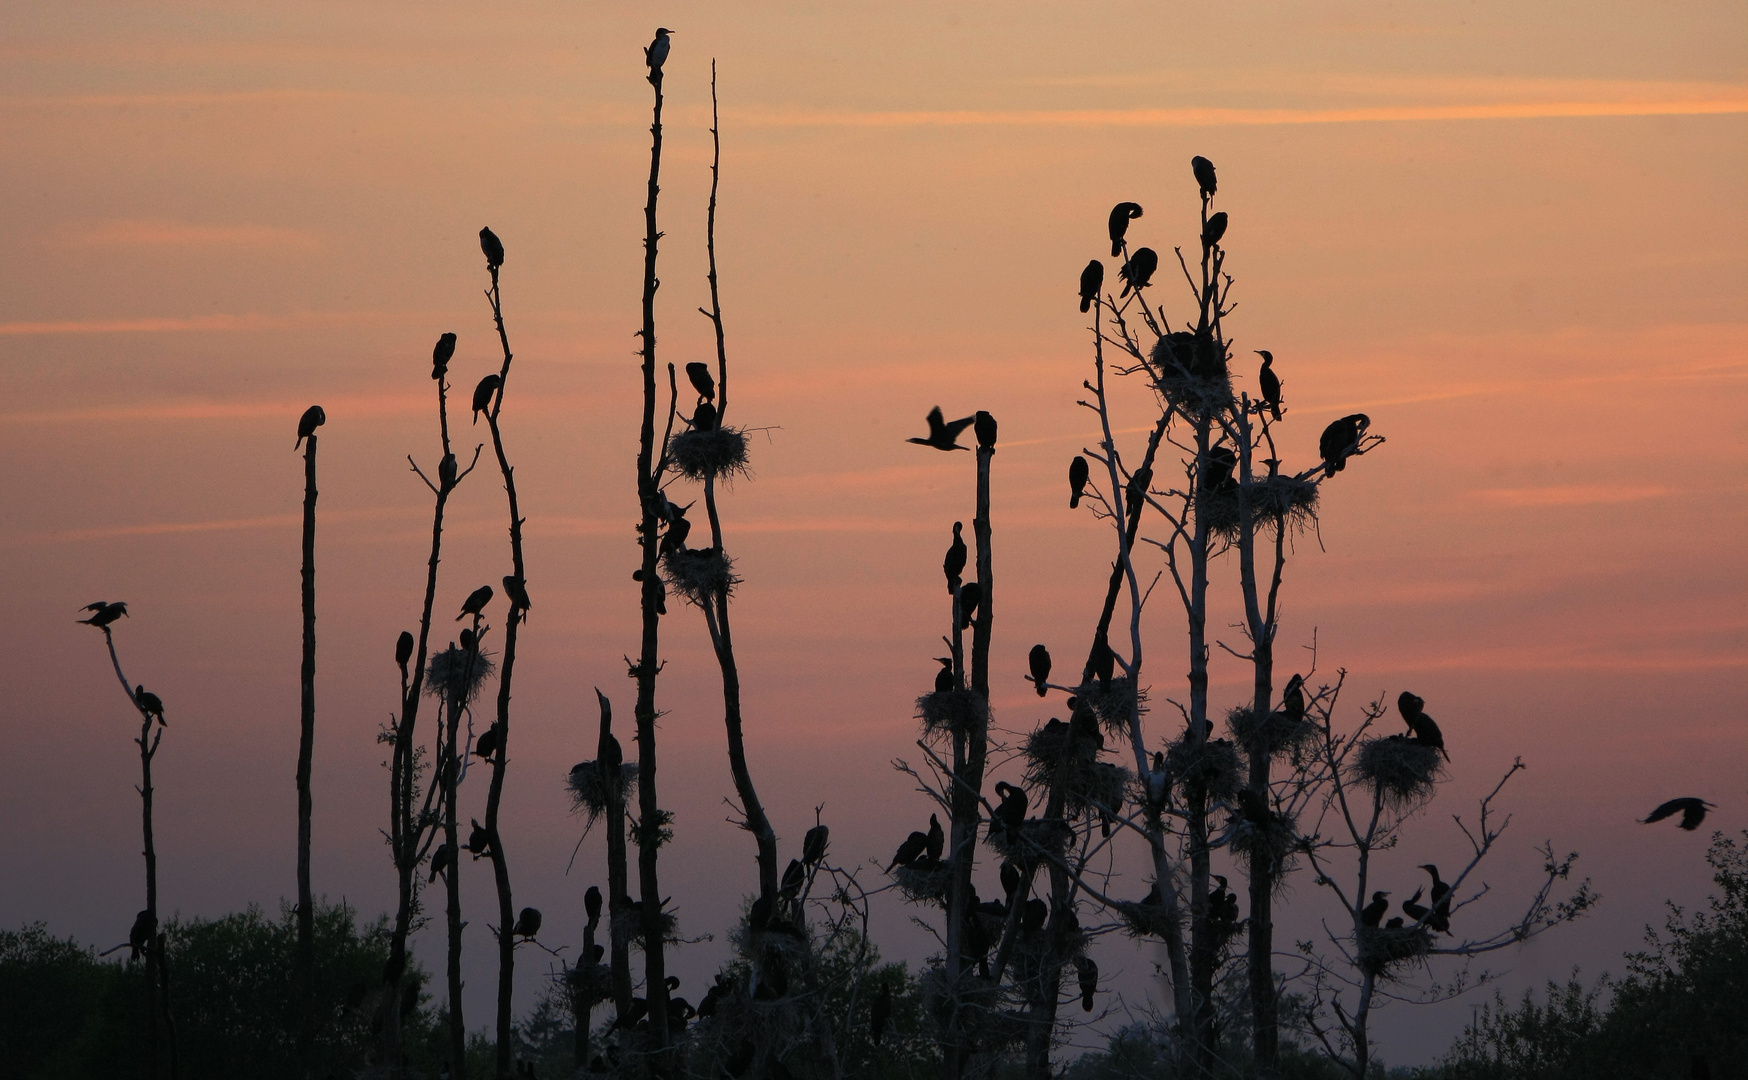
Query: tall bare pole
pixel 305 965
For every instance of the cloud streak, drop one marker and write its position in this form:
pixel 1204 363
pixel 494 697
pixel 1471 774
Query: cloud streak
pixel 162 233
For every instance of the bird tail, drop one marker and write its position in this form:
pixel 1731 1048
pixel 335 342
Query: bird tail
pixel 1085 304
pixel 1074 502
pixel 1276 410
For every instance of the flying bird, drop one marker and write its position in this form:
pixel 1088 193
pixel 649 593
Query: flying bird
pixel 655 54
pixel 983 425
pixel 476 602
pixel 492 247
pixel 1373 913
pixel 527 923
pixel 1087 971
pixel 1340 440
pixel 942 435
pixel 102 614
pixel 1121 215
pixel 482 394
pixel 1038 661
pixel 1092 279
pixel 702 381
pixel 1270 383
pixel 150 704
pixel 1214 230
pixel 1205 179
pixel 953 565
pixel 1078 473
pixel 1693 812
pixel 403 648
pixel 312 418
pixel 936 840
pixel 441 355
pixel 1138 271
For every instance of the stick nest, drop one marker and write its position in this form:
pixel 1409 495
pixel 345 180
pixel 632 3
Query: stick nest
pixel 1273 840
pixel 961 712
pixel 1097 788
pixel 589 793
pixel 1112 704
pixel 1382 948
pixel 1272 500
pixel 590 984
pixel 630 922
pixel 700 574
pixel 1035 837
pixel 1208 768
pixel 708 455
pixel 925 881
pixel 449 674
pixel 1192 372
pixel 1146 920
pixel 1401 769
pixel 1280 731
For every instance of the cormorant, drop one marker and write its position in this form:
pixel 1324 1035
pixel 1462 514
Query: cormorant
pixel 1215 229
pixel 1414 909
pixel 983 426
pixel 1340 440
pixel 446 472
pixel 1373 913
pixel 467 639
pixel 1088 973
pixel 1420 725
pixel 942 435
pixel 487 744
pixel 813 844
pixel 1158 783
pixel 702 380
pixel 1078 473
pixel 1221 462
pixel 592 902
pixel 935 841
pixel 1038 660
pixel 1205 179
pixel 441 355
pixel 441 861
pixel 970 595
pixel 476 602
pixel 954 563
pixel 482 394
pixel 102 614
pixel 312 418
pixel 1010 879
pixel 1441 901
pixel 478 841
pixel 1104 663
pixel 704 417
pixel 403 648
pixel 794 876
pixel 1121 215
pixel 517 590
pixel 911 850
pixel 1270 383
pixel 1409 705
pixel 1293 698
pixel 527 923
pixel 945 683
pixel 1223 906
pixel 1034 915
pixel 149 703
pixel 492 248
pixel 1138 271
pixel 1440 890
pixel 675 538
pixel 655 54
pixel 1010 815
pixel 145 928
pixel 880 1014
pixel 1092 279
pixel 1693 812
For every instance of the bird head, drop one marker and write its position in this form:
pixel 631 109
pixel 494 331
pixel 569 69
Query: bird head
pixel 662 31
pixel 1267 357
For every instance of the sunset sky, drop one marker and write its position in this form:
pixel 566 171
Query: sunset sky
pixel 1514 235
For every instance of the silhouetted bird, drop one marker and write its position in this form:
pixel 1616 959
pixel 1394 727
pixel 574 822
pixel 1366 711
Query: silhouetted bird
pixel 1138 271
pixel 1104 663
pixel 702 380
pixel 1078 473
pixel 1010 879
pixel 404 648
pixel 1693 812
pixel 675 537
pixel 1158 781
pixel 880 1014
pixel 942 435
pixel 814 843
pixel 1088 973
pixel 1340 440
pixel 794 876
pixel 144 929
pixel 103 613
pixel 953 565
pixel 1010 815
pixel 446 472
pixel 441 861
pixel 1221 462
pixel 704 417
pixel 1034 915
pixel 492 248
pixel 1426 732
pixel 1092 279
pixel 592 903
pixel 983 426
pixel 1215 229
pixel 1270 383
pixel 487 744
pixel 441 355
pixel 970 596
pixel 1205 179
pixel 1395 923
pixel 149 703
pixel 467 639
pixel 1038 661
pixel 910 851
pixel 655 54
pixel 479 842
pixel 1441 901
pixel 936 840
pixel 312 418
pixel 1293 698
pixel 1373 913
pixel 482 394
pixel 1414 909
pixel 517 590
pixel 944 680
pixel 1409 705
pixel 527 923
pixel 476 602
pixel 1121 215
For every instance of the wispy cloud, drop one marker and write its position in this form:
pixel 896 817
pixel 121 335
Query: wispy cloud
pixel 1572 495
pixel 177 528
pixel 129 232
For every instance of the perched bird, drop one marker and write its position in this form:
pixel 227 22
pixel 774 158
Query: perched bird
pixel 880 1014
pixel 1121 215
pixel 441 355
pixel 945 683
pixel 1414 909
pixel 1092 279
pixel 935 841
pixel 1088 973
pixel 487 744
pixel 1340 440
pixel 527 923
pixel 970 596
pixel 103 613
pixel 704 417
pixel 446 472
pixel 983 426
pixel 1104 663
pixel 468 640
pixel 479 842
pixel 476 602
pixel 1138 271
pixel 1223 907
pixel 1205 179
pixel 1214 230
pixel 1293 698
pixel 1010 878
pixel 1395 923
pixel 1158 781
pixel 1409 705
pixel 1424 730
pixel 1010 815
pixel 441 861
pixel 492 247
pixel 1038 660
pixel 1270 383
pixel 1221 462
pixel 1034 915
pixel 1078 473
pixel 954 563
pixel 910 851
pixel 592 903
pixel 1440 890
pixel 655 54
pixel 942 435
pixel 517 590
pixel 1693 812
pixel 144 929
pixel 482 394
pixel 403 648
pixel 312 418
pixel 702 381
pixel 813 844
pixel 149 703
pixel 794 876
pixel 1441 901
pixel 1373 913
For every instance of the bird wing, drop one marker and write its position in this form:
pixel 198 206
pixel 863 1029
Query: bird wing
pixel 953 429
pixel 1664 811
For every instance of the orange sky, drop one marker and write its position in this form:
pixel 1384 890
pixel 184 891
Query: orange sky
pixel 1516 238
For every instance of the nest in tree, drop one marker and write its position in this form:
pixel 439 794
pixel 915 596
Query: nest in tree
pixel 1097 788
pixel 457 674
pixel 589 794
pixel 1273 839
pixel 1280 731
pixel 1033 840
pixel 925 881
pixel 630 922
pixel 1272 499
pixel 1146 919
pixel 1192 372
pixel 1401 769
pixel 960 712
pixel 707 455
pixel 1384 947
pixel 700 574
pixel 1112 704
pixel 1208 768
pixel 589 984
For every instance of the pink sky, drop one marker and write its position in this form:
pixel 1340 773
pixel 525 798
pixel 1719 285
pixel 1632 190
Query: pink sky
pixel 1516 238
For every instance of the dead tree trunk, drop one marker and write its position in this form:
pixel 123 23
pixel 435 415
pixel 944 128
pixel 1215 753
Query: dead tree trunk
pixel 305 973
